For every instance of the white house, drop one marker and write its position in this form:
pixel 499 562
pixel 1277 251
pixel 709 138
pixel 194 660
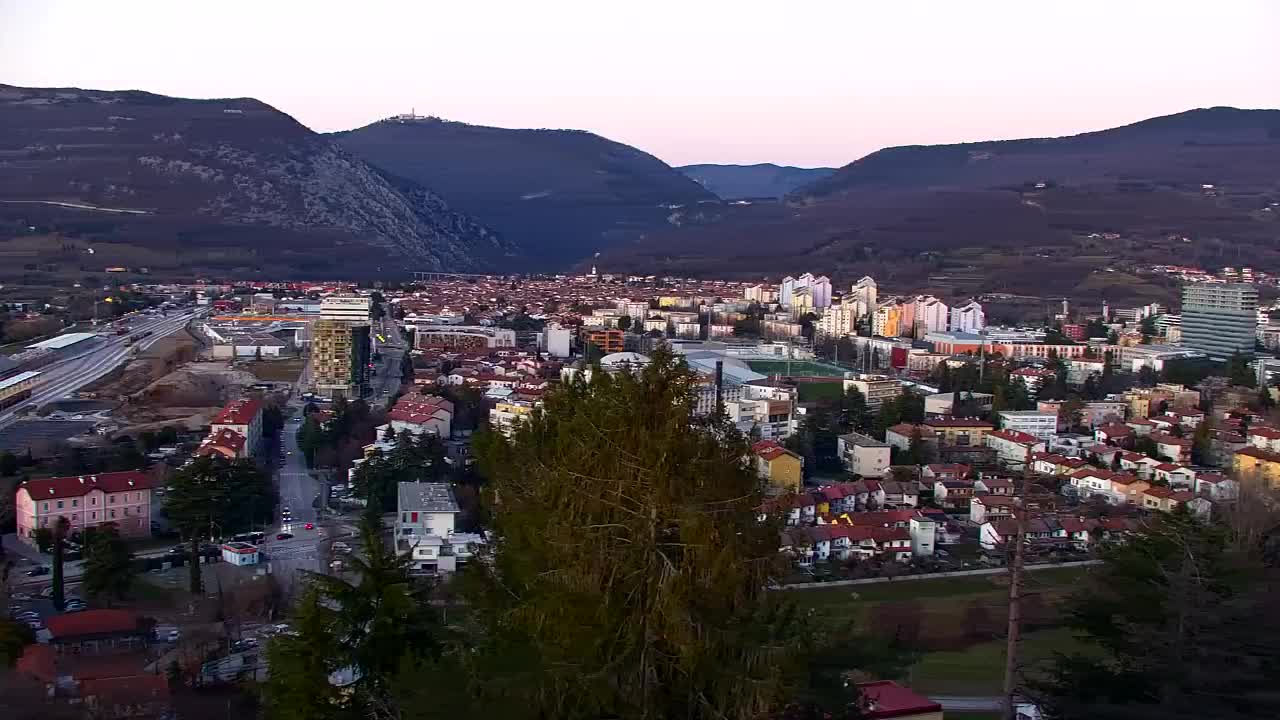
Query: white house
pixel 863 455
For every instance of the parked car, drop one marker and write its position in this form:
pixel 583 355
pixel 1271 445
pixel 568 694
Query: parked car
pixel 284 536
pixel 173 636
pixel 38 571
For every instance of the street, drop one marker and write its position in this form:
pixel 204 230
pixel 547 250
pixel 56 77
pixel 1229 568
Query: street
pixel 300 493
pixel 387 376
pixel 64 377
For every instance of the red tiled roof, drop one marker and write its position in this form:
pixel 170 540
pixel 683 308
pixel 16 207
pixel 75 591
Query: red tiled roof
pixel 37 661
pixel 78 486
pixel 239 412
pixel 1260 454
pixel 225 438
pixel 1016 436
pixel 92 622
pixel 888 699
pixel 128 688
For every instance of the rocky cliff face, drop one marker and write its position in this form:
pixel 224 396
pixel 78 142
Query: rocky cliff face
pixel 222 172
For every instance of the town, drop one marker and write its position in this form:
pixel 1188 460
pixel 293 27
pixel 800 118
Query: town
pixel 893 435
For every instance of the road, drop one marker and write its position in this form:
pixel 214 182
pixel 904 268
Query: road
pixel 299 492
pixel 387 375
pixel 63 377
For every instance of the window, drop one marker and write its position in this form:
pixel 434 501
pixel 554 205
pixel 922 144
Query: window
pixel 404 517
pixel 112 499
pixel 93 500
pixel 46 507
pixel 59 504
pixel 113 514
pixel 415 517
pixel 75 502
pixel 94 516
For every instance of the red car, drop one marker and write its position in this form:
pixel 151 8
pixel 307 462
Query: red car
pixel 309 526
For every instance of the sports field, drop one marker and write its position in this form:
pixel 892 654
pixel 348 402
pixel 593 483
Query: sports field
pixel 799 368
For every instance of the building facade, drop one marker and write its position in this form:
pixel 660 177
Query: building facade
pixel 1219 320
pixel 86 501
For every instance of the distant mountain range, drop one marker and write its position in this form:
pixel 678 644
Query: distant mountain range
pixel 236 188
pixel 562 195
pixel 1017 216
pixel 765 180
pixel 232 185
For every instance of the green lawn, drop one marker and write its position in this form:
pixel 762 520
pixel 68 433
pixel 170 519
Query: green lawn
pixel 979 669
pixel 806 368
pixel 287 370
pixel 814 391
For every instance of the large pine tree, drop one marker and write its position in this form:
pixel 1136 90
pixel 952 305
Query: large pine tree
pixel 631 568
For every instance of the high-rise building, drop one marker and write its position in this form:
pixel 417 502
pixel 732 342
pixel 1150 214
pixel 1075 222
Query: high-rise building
pixel 339 357
pixel 1219 320
pixel 970 318
pixel 863 297
pixel 348 308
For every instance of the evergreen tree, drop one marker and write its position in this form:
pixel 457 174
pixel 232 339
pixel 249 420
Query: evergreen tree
pixel 369 625
pixel 1239 372
pixel 108 566
pixel 60 531
pixel 629 580
pixel 1180 622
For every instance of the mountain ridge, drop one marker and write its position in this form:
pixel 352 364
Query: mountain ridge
pixel 562 195
pixel 211 172
pixel 758 180
pixel 1012 216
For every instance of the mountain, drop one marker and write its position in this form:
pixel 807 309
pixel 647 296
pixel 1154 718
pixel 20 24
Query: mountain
pixel 562 195
pixel 765 180
pixel 1044 217
pixel 224 185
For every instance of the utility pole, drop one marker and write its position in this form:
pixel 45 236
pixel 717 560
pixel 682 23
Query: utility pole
pixel 1014 631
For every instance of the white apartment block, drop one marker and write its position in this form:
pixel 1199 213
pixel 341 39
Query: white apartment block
pixel 1040 425
pixel 968 317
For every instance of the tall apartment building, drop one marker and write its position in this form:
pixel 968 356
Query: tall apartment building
pixel 876 389
pixel 608 341
pixel 863 296
pixel 350 309
pixel 339 357
pixel 1219 320
pixel 968 317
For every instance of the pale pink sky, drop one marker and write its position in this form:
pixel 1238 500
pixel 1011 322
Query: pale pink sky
pixel 819 82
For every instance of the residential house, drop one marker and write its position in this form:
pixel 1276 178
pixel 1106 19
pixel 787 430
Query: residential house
pixel 418 414
pixel 863 455
pixel 781 467
pixel 1141 426
pixel 993 486
pixel 1040 425
pixel 884 699
pixel 1013 448
pixel 86 501
pixel 1114 433
pixel 945 471
pixel 985 508
pixel 425 529
pixel 899 436
pixel 1254 462
pixel 1217 487
pixel 1172 447
pixel 244 416
pixel 225 443
pixel 1265 438
pixel 1165 499
pixel 958 431
pixel 900 494
pixel 1175 476
pixel 1040 530
pixel 953 494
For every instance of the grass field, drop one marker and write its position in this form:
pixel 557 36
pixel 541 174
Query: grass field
pixel 798 368
pixel 942 605
pixel 979 669
pixel 277 370
pixel 813 391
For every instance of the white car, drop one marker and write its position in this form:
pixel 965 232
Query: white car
pixel 173 636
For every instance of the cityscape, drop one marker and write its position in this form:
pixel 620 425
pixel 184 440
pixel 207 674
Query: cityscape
pixel 317 409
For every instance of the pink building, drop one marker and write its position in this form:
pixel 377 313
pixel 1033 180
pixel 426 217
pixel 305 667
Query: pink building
pixel 123 498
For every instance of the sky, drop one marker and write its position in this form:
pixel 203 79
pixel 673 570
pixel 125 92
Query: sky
pixel 820 82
